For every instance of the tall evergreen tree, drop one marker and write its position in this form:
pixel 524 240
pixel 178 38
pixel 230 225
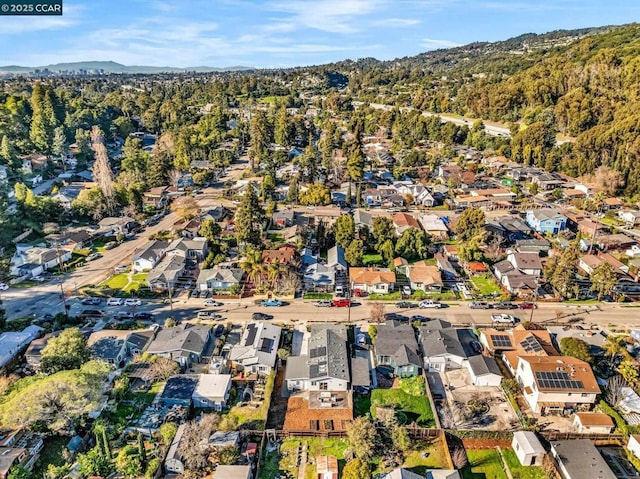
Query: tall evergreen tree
pixel 249 219
pixel 102 173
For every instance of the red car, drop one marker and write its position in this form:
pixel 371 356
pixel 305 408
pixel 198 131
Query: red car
pixel 526 305
pixel 341 303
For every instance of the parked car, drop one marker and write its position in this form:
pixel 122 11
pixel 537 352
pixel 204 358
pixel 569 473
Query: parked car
pixel 121 268
pixel 505 305
pixel 476 346
pixel 261 316
pixel 504 318
pixel 4 286
pixel 419 318
pixel 361 339
pixel 91 300
pixel 339 291
pixel 110 245
pixel 212 303
pixel 132 302
pixel 323 303
pixel 92 313
pixel 395 317
pixel 479 305
pixel 429 303
pixel 526 305
pixel 406 305
pixel 406 290
pixel 271 302
pixel 209 314
pixel 114 302
pixel 143 316
pixel 218 331
pixel 93 256
pixel 341 303
pixel 123 315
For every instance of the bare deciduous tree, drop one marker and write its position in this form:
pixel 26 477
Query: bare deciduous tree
pixel 102 173
pixel 174 176
pixel 161 369
pixel 377 312
pixel 459 458
pixel 613 394
pixel 193 445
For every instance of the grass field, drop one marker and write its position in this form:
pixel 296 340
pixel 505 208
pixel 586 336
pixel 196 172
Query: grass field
pixel 138 281
pixel 518 471
pixel 318 296
pixel 416 408
pixel 484 464
pixel 117 281
pixel 369 259
pixel 486 285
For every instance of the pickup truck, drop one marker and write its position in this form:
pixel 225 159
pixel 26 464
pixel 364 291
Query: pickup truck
pixel 503 318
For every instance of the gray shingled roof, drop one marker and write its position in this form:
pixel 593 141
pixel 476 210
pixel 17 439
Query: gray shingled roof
pixel 581 459
pixel 481 365
pixel 398 340
pixel 442 341
pixel 180 338
pixel 328 355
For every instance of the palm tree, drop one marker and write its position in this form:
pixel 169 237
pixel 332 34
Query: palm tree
pixel 252 264
pixel 275 271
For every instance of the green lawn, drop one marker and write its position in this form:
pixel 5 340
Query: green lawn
pixel 369 259
pixel 361 404
pixel 51 454
pixel 318 296
pixel 484 464
pixel 424 456
pixel 486 285
pixel 518 471
pixel 274 465
pixel 117 281
pixel 417 408
pixel 138 281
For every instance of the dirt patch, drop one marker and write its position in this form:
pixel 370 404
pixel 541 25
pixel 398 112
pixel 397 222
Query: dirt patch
pixel 485 443
pixel 278 406
pixel 300 417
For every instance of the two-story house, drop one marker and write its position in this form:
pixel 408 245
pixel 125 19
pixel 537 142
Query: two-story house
pixel 147 257
pixel 257 350
pixel 397 348
pixel 546 221
pixel 557 383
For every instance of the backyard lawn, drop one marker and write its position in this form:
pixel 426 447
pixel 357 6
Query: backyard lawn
pixel 518 471
pixel 287 464
pixel 371 259
pixel 416 408
pixel 138 281
pixel 484 464
pixel 133 403
pixel 246 414
pixel 51 454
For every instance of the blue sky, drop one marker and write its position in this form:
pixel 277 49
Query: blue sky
pixel 280 33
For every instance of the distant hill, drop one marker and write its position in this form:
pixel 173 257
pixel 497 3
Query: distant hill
pixel 113 67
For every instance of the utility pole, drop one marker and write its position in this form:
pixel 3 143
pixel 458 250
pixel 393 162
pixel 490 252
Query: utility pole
pixel 64 300
pixel 535 300
pixel 170 299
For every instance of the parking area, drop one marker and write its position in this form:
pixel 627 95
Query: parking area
pixel 476 407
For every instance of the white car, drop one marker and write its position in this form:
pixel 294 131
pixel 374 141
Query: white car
pixel 132 302
pixel 4 286
pixel 211 302
pixel 114 302
pixel 503 318
pixel 428 303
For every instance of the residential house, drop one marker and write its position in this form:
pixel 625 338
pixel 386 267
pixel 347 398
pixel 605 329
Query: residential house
pixel 579 458
pixel 325 366
pixel 13 444
pixel 335 260
pixel 556 383
pixel 10 458
pixel 442 474
pixel 219 279
pixel 178 391
pixel 109 349
pixel 156 198
pixel 397 348
pixel 441 348
pixel 372 280
pixel 283 218
pixel 326 467
pixel 424 277
pixel 32 261
pixel 285 255
pixel 401 473
pixel 528 448
pixel 546 221
pixel 612 204
pixel 521 285
pixel 256 352
pixel 526 263
pixel 72 240
pixel 319 277
pixel 614 242
pixel 137 342
pixel 404 221
pixel 195 248
pixel 591 228
pixel 33 354
pixel 173 462
pixel 147 257
pixel 400 265
pixel 217 214
pixel 446 172
pixel 447 271
pixel 185 344
pixel 233 472
pixel 418 193
pixel 435 227
pixel 361 219
pixel 548 181
pixel 593 423
pixel 212 391
pixel 165 274
pixel 484 371
pixel 67 195
pixel 519 341
pixel 12 343
pixel 114 226
pixel 630 217
pixel 533 245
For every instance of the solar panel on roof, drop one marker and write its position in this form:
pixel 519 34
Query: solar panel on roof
pixel 501 340
pixel 251 334
pixel 267 344
pixel 531 344
pixel 317 352
pixel 557 380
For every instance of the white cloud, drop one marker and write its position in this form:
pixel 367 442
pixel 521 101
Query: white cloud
pixel 434 44
pixel 396 22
